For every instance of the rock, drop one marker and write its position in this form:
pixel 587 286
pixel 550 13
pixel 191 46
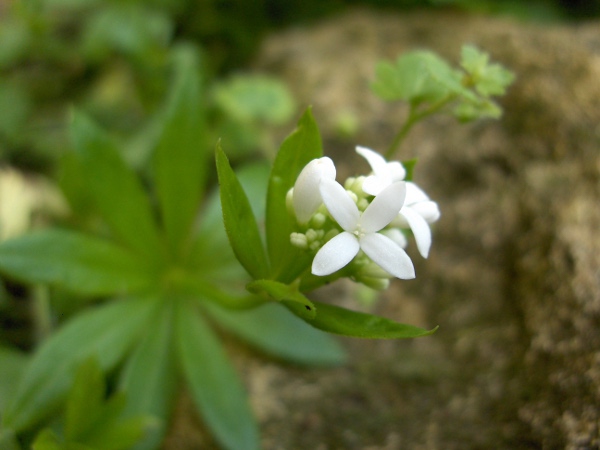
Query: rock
pixel 513 278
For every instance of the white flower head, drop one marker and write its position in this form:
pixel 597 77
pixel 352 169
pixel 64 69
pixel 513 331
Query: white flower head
pixel 384 173
pixel 306 197
pixel 361 231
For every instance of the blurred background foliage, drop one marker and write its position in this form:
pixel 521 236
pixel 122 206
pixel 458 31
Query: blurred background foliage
pixel 114 60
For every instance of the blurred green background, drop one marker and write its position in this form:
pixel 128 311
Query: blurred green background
pixel 112 59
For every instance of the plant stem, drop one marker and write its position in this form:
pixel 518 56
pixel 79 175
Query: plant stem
pixel 413 117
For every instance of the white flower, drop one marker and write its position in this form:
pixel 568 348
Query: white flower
pixel 361 231
pixel 306 197
pixel 417 213
pixel 384 173
pixel 418 210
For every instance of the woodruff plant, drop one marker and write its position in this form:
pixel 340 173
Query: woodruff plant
pixel 165 275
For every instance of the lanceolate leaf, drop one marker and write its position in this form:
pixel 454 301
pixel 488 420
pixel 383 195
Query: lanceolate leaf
pixel 149 378
pixel 114 188
pixel 211 253
pixel 180 158
pixel 239 220
pixel 106 332
pixel 301 147
pixel 282 293
pixel 278 333
pixel 334 319
pixel 75 261
pixel 214 383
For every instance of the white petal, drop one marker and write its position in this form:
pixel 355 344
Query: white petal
pixel 397 236
pixel 389 256
pixel 339 204
pixel 376 161
pixel 335 254
pixel 420 229
pixel 427 210
pixel 384 208
pixel 396 171
pixel 414 194
pixel 307 198
pixel 373 184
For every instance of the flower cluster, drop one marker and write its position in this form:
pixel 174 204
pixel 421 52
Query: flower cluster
pixel 363 222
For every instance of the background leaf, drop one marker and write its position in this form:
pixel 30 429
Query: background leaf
pixel 214 383
pixel 107 332
pixel 149 377
pixel 12 364
pixel 80 263
pixel 85 400
pixel 239 221
pixel 301 147
pixel 180 159
pixel 255 98
pixel 114 188
pixel 337 320
pixel 279 333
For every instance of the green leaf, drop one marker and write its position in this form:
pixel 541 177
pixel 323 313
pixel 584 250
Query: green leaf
pixel 111 431
pixel 47 440
pixel 8 440
pixel 417 77
pixel 255 98
pixel 93 422
pixel 80 263
pixel 214 383
pixel 279 333
pixel 282 293
pixel 149 378
pixel 345 322
pixel 301 147
pixel 85 400
pixel 12 365
pixel 489 79
pixel 115 189
pixel 240 224
pixel 180 159
pixel 211 253
pixel 224 296
pixel 107 332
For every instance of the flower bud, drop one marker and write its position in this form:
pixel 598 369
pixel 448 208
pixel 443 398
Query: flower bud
pixel 307 198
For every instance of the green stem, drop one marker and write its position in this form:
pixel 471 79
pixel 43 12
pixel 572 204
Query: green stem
pixel 415 116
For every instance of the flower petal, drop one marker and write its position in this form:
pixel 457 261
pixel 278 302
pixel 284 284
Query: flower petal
pixel 384 208
pixel 427 210
pixel 414 194
pixel 339 204
pixel 388 255
pixel 376 161
pixel 420 229
pixel 373 184
pixel 335 254
pixel 307 198
pixel 397 236
pixel 396 171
